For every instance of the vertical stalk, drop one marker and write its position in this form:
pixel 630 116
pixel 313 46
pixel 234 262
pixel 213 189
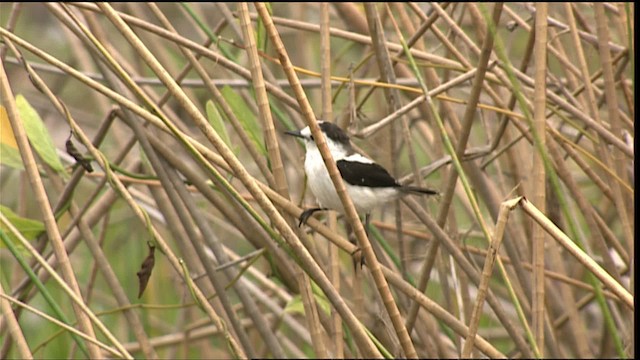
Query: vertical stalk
pixel 539 175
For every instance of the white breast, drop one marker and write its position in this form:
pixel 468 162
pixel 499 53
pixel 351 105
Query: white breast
pixel 364 198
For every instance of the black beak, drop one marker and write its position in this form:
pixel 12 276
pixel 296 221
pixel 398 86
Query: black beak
pixel 295 133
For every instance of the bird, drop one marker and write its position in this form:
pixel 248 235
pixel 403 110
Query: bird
pixel 368 183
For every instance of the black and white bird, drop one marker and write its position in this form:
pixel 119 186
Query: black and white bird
pixel 367 183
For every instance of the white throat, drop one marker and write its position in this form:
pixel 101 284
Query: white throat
pixel 338 151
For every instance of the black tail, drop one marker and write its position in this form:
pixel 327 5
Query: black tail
pixel 418 190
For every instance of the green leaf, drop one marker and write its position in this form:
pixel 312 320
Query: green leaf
pixel 321 298
pixel 38 134
pixel 9 154
pixel 246 118
pixel 295 306
pixel 29 228
pixel 17 252
pixel 261 31
pixel 216 121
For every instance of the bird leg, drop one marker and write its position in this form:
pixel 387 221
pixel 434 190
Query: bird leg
pixel 367 222
pixel 358 256
pixel 307 214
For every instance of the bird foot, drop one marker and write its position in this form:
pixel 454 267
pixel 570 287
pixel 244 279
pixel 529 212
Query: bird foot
pixel 358 258
pixel 307 214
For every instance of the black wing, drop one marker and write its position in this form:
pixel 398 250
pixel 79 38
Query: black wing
pixel 365 174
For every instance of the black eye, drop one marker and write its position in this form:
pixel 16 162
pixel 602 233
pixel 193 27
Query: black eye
pixel 311 137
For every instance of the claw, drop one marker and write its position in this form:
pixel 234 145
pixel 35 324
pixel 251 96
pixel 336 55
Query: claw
pixel 307 214
pixel 358 257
